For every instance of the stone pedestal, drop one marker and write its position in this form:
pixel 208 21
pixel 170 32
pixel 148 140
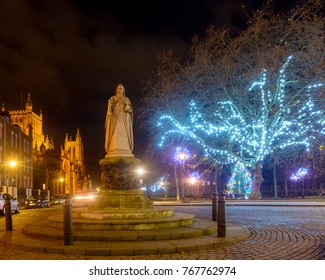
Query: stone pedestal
pixel 120 186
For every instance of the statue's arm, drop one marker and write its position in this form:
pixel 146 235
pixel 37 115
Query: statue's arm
pixel 128 106
pixel 110 106
pixel 109 111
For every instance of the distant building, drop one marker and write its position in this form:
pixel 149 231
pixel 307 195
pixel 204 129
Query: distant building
pixel 55 171
pixel 74 178
pixel 27 119
pixel 16 165
pixel 31 123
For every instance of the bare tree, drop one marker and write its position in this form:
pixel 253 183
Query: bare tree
pixel 231 116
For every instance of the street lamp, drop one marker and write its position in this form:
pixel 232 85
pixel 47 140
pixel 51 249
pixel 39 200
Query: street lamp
pixel 7 206
pixel 164 184
pixel 12 165
pixel 140 172
pixel 194 178
pixel 182 155
pixel 61 183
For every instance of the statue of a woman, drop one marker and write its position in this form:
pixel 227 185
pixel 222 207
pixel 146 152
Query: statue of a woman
pixel 118 124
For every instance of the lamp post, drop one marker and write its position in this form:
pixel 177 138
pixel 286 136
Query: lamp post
pixel 193 182
pixel 8 214
pixel 182 156
pixel 61 185
pixel 12 165
pixel 164 184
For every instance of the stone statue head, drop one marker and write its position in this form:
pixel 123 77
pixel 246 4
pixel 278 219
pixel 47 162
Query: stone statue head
pixel 120 89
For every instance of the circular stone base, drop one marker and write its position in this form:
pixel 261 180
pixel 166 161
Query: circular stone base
pixel 121 214
pixel 199 228
pixel 177 220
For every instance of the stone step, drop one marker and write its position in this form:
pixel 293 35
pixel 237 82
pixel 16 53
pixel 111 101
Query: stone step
pixel 177 220
pixel 198 228
pixel 20 241
pixel 121 214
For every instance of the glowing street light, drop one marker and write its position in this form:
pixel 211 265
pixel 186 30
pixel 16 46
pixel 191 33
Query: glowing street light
pixel 193 180
pixel 61 185
pixel 140 171
pixel 181 156
pixel 12 163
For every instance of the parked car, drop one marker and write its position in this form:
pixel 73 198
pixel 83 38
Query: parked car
pixel 58 199
pixel 37 201
pixel 13 201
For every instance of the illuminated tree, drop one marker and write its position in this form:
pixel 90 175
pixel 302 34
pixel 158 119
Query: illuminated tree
pixel 228 120
pixel 272 118
pixel 299 174
pixel 240 181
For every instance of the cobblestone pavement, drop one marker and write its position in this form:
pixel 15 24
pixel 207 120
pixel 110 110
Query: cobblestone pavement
pixel 277 233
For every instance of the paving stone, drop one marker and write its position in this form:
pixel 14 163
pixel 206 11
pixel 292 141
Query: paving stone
pixel 275 233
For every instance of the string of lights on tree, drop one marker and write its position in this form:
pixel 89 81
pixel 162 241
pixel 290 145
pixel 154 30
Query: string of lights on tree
pixel 240 181
pixel 159 186
pixel 299 174
pixel 232 133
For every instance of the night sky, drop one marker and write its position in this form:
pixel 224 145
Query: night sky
pixel 70 55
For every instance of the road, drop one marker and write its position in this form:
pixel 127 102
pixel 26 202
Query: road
pixel 277 233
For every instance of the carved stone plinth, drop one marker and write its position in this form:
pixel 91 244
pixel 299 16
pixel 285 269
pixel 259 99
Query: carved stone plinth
pixel 120 187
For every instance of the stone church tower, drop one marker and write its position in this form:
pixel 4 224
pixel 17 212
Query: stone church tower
pixel 31 123
pixel 72 165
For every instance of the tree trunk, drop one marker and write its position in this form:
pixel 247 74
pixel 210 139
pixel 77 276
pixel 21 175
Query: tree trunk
pixel 176 182
pixel 286 185
pixel 216 183
pixel 275 182
pixel 257 181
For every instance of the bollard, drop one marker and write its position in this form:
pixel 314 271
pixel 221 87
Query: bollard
pixel 67 221
pixel 221 215
pixel 8 214
pixel 214 207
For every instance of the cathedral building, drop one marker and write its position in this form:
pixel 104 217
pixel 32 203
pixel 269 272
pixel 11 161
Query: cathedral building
pixel 29 120
pixel 54 171
pixel 72 165
pixel 31 123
